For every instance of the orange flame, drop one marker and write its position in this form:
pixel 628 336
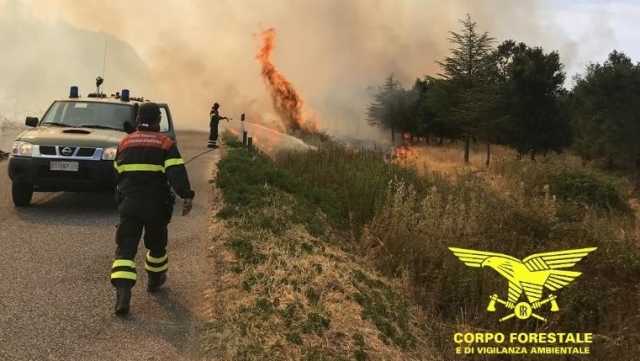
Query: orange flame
pixel 404 154
pixel 286 100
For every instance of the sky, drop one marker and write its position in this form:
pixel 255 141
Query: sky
pixel 597 27
pixel 191 53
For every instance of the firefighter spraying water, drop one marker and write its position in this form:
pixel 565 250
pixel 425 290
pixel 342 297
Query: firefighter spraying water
pixel 214 118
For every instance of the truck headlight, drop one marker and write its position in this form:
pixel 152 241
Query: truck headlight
pixel 22 149
pixel 109 153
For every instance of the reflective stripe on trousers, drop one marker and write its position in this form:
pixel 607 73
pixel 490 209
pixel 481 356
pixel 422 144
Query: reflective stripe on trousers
pixel 156 264
pixel 123 272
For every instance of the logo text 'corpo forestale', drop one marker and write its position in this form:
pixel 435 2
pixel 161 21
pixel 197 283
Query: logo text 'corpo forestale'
pixel 525 298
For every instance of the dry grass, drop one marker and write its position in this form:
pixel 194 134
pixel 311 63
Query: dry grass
pixel 449 159
pixel 307 296
pixel 291 296
pixel 511 208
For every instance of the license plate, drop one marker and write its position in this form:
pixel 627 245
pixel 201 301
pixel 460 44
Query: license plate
pixel 64 166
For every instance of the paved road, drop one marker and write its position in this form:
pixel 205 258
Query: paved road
pixel 55 297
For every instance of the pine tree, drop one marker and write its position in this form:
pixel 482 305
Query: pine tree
pixel 469 68
pixel 531 99
pixel 606 104
pixel 379 112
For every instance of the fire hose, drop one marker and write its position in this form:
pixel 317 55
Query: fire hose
pixel 198 155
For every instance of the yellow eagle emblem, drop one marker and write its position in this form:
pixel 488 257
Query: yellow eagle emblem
pixel 529 276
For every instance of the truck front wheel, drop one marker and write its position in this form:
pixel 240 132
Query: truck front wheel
pixel 21 194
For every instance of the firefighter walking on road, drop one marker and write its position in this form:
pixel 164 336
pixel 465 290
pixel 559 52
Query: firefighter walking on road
pixel 149 165
pixel 215 118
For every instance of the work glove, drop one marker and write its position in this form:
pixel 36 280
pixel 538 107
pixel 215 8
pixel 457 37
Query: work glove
pixel 187 205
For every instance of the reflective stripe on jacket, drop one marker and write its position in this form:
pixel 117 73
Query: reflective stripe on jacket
pixel 148 162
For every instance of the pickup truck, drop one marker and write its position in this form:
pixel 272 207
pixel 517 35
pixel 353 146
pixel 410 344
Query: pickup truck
pixel 73 147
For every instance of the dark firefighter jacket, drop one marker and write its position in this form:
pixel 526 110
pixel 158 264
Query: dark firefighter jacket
pixel 214 117
pixel 148 163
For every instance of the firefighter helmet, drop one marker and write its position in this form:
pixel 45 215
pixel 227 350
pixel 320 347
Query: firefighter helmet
pixel 148 113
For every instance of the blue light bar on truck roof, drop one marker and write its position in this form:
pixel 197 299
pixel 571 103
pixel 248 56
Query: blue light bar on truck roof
pixel 74 92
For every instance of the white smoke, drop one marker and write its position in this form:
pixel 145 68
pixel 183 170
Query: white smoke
pixel 193 53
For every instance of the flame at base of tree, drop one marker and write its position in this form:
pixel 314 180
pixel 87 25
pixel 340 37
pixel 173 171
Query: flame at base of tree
pixel 286 100
pixel 405 153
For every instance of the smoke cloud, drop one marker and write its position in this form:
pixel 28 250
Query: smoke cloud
pixel 40 60
pixel 191 54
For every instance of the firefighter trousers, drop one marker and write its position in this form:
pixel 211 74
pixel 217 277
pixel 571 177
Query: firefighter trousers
pixel 213 131
pixel 138 218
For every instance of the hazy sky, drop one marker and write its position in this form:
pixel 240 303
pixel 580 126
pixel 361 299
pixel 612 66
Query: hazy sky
pixel 597 27
pixel 333 51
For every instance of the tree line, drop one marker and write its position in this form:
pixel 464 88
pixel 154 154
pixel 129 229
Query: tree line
pixel 513 94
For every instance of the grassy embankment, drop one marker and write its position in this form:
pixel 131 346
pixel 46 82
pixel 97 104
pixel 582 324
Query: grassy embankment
pixel 339 255
pixel 290 288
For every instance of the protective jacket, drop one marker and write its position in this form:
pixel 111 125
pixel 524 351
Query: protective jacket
pixel 214 117
pixel 148 163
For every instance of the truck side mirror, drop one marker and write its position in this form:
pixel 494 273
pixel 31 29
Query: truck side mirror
pixel 31 122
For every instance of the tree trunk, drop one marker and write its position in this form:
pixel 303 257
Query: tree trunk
pixel 488 153
pixel 393 136
pixel 637 175
pixel 441 142
pixel 467 145
pixel 533 154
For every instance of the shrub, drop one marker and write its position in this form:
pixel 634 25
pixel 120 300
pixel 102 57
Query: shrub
pixel 569 181
pixel 587 188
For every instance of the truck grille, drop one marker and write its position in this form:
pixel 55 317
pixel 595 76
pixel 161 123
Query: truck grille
pixel 48 150
pixel 57 150
pixel 86 152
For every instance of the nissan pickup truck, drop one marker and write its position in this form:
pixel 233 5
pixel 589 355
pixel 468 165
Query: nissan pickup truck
pixel 73 147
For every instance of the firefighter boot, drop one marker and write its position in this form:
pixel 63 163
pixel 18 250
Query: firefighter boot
pixel 123 298
pixel 156 280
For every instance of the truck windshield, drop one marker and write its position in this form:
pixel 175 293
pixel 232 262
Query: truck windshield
pixel 89 115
